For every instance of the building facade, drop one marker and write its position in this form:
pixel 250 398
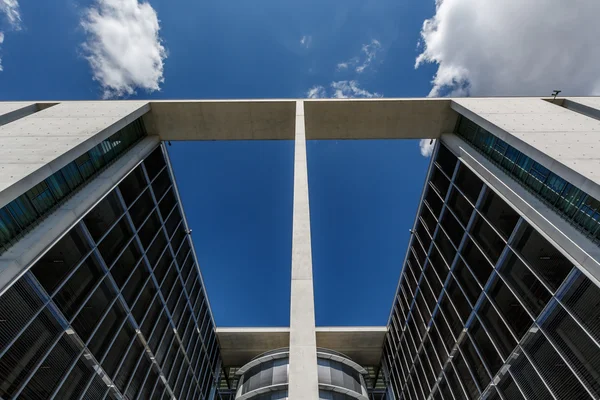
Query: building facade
pixel 101 294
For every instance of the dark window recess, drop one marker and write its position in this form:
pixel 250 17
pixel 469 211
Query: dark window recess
pixel 479 265
pixel 460 206
pixel 122 268
pixel 103 216
pixel 489 241
pixel 543 258
pixel 522 281
pixel 141 208
pixel 467 281
pixel 500 214
pixel 468 183
pixel 143 302
pixel 445 246
pixel 91 313
pixel 74 292
pixel 486 348
pixel 154 163
pixel 509 389
pixel 475 363
pixel 440 182
pixel 156 248
pixel 438 263
pixel 512 311
pixel 452 228
pixel 132 185
pixel 432 278
pixel 161 184
pixel 173 222
pixel 135 284
pixel 459 300
pixel 423 236
pixel 166 204
pixel 61 259
pixel 433 201
pixel 453 382
pixel 163 266
pixel 129 363
pixel 107 330
pixel 446 160
pixel 114 241
pixel 149 230
pixel 452 318
pixel 497 329
pixel 466 378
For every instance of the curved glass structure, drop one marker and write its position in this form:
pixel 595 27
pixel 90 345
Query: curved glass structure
pixel 266 377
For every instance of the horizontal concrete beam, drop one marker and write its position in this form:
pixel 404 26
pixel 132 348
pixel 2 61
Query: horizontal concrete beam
pixel 362 344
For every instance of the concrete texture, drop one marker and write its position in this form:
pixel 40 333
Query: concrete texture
pixel 11 111
pixel 222 120
pixel 20 257
pixel 303 378
pixel 562 140
pixel 34 147
pixel 378 118
pixel 576 246
pixel 363 344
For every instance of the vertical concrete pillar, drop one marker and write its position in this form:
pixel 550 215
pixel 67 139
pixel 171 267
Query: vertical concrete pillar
pixel 303 378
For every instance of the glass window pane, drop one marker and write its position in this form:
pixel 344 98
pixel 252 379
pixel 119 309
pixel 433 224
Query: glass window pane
pixel 522 281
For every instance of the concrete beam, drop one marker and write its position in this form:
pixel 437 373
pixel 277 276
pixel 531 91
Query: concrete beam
pixel 222 120
pixel 303 378
pixel 378 119
pixel 364 345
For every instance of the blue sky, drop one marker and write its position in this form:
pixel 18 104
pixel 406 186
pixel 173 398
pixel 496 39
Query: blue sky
pixel 238 196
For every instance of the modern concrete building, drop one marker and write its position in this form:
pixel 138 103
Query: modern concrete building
pixel 101 294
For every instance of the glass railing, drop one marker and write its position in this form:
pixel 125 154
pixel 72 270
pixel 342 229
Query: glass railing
pixel 573 204
pixel 27 210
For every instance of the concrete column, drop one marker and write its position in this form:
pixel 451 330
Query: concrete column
pixel 303 378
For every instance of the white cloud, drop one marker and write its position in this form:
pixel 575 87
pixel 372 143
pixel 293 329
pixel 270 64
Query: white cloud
pixel 316 92
pixel 350 89
pixel 342 65
pixel 426 146
pixel 340 90
pixel 123 46
pixel 10 8
pixel 513 47
pixel 361 63
pixel 306 41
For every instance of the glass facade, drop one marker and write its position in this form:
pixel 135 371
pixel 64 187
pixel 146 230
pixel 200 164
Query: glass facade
pixel 21 214
pixel 339 378
pixel 116 308
pixel 486 307
pixel 576 206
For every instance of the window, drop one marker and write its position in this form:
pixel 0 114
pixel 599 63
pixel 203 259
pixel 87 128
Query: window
pixel 514 314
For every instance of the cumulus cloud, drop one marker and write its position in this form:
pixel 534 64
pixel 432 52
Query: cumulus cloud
pixel 513 47
pixel 350 89
pixel 426 146
pixel 123 46
pixel 10 8
pixel 341 90
pixel 361 63
pixel 316 92
pixel 305 41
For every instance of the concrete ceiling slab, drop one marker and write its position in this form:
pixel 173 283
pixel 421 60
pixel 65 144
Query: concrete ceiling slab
pixel 364 345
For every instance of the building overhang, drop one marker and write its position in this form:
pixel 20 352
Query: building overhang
pixel 364 345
